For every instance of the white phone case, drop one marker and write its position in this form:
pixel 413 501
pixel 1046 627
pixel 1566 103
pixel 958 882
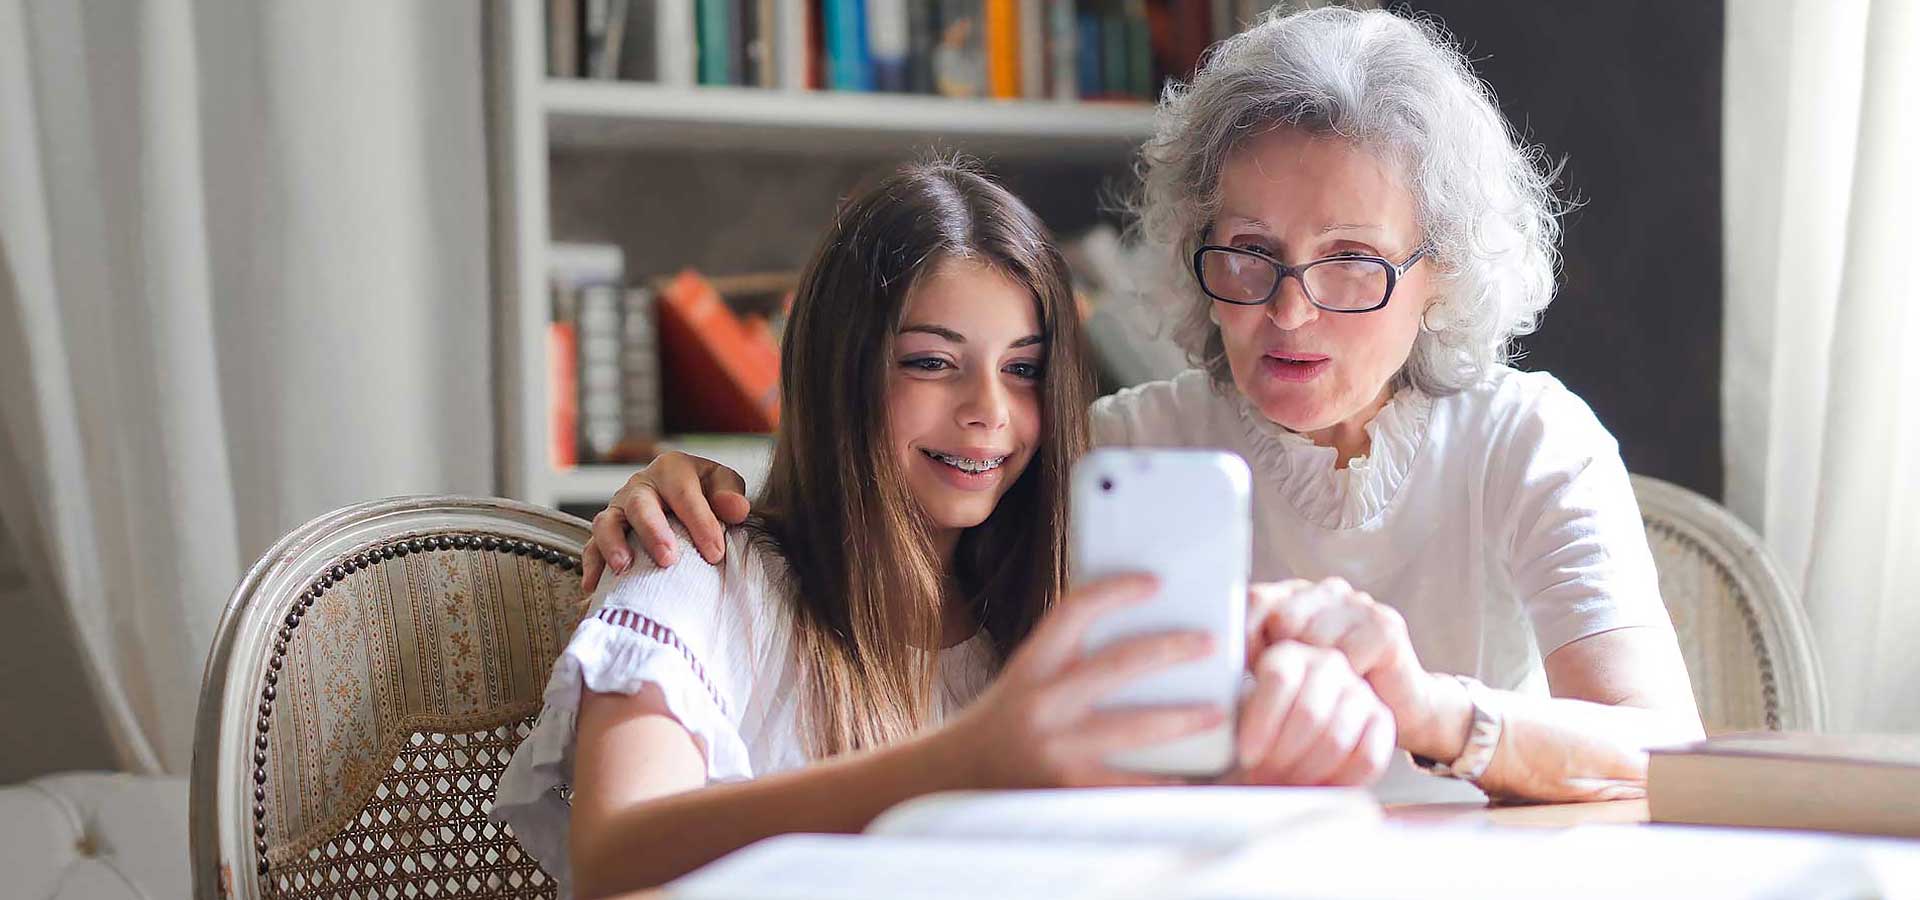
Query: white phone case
pixel 1183 516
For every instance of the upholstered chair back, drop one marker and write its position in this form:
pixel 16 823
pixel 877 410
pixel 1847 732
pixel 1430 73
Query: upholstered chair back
pixel 370 678
pixel 1745 637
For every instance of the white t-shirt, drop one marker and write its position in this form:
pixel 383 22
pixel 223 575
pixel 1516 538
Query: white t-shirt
pixel 1498 520
pixel 716 641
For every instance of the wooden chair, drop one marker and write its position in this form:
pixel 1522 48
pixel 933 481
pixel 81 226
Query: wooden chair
pixel 1745 637
pixel 370 678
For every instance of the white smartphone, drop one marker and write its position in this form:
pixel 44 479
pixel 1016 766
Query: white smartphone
pixel 1183 516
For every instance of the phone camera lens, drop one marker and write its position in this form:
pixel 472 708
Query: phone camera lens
pixel 1106 485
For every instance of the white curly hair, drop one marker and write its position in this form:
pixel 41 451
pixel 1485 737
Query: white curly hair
pixel 1403 90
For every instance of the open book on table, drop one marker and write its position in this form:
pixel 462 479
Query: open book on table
pixel 1024 844
pixel 1214 843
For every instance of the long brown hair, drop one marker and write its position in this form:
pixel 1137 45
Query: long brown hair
pixel 869 585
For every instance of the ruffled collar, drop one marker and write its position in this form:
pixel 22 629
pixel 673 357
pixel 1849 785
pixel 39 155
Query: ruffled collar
pixel 1304 474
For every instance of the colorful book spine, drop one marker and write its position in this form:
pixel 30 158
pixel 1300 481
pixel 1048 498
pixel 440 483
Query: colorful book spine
pixel 563 384
pixel 676 44
pixel 1003 49
pixel 923 34
pixel 793 43
pixel 1091 45
pixel 888 43
pixel 598 334
pixel 640 415
pixel 1115 50
pixel 850 67
pixel 1140 70
pixel 1034 67
pixel 1064 57
pixel 725 375
pixel 717 65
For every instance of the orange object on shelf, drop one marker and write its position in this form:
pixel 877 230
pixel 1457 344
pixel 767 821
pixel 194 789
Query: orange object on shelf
pixel 1003 49
pixel 720 374
pixel 563 395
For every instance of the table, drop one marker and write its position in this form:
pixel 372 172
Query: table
pixel 1549 815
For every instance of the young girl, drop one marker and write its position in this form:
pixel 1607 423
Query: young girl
pixel 911 536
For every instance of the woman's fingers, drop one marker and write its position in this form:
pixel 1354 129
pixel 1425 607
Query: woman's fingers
pixel 1287 615
pixel 640 505
pixel 1332 739
pixel 1277 679
pixel 610 539
pixel 591 565
pixel 1370 755
pixel 1312 703
pixel 683 489
pixel 727 491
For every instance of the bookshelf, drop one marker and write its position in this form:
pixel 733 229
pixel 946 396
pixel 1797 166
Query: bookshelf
pixel 543 129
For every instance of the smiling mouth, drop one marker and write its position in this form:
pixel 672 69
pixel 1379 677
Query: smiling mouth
pixel 966 463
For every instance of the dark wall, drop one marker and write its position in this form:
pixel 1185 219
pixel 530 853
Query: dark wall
pixel 1628 92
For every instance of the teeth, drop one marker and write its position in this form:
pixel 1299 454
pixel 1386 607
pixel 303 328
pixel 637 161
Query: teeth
pixel 966 464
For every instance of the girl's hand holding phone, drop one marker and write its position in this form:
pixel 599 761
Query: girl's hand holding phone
pixel 1040 725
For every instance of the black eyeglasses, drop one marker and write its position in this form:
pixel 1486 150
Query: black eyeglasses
pixel 1344 284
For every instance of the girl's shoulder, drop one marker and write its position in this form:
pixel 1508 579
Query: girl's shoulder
pixel 743 595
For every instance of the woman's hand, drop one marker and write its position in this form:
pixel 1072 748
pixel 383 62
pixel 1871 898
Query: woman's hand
pixel 1372 636
pixel 699 492
pixel 1311 720
pixel 1038 725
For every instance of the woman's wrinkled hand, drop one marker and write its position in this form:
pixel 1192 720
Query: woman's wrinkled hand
pixel 699 492
pixel 1311 720
pixel 1371 635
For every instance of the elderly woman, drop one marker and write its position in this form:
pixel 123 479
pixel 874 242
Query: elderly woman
pixel 1356 236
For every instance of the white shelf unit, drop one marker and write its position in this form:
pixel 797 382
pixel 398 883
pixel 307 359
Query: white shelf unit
pixel 530 115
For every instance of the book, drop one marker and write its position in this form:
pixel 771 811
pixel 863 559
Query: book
pixel 849 63
pixel 888 43
pixel 598 335
pixel 923 34
pixel 563 387
pixel 606 30
pixel 793 43
pixel 1866 784
pixel 1034 67
pixel 640 413
pixel 1003 49
pixel 676 43
pixel 1062 37
pixel 714 20
pixel 1090 77
pixel 563 38
pixel 1093 842
pixel 585 280
pixel 719 374
pixel 1140 80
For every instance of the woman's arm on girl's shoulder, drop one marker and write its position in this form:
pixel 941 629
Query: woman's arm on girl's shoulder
pixel 701 493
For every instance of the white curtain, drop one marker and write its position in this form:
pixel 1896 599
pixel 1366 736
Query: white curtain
pixel 1822 352
pixel 243 281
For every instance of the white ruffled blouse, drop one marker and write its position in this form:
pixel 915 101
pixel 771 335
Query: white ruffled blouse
pixel 716 642
pixel 1498 520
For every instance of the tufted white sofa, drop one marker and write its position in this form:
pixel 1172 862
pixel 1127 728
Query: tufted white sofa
pixel 94 836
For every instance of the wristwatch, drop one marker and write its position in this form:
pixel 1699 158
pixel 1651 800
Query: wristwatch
pixel 1483 737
